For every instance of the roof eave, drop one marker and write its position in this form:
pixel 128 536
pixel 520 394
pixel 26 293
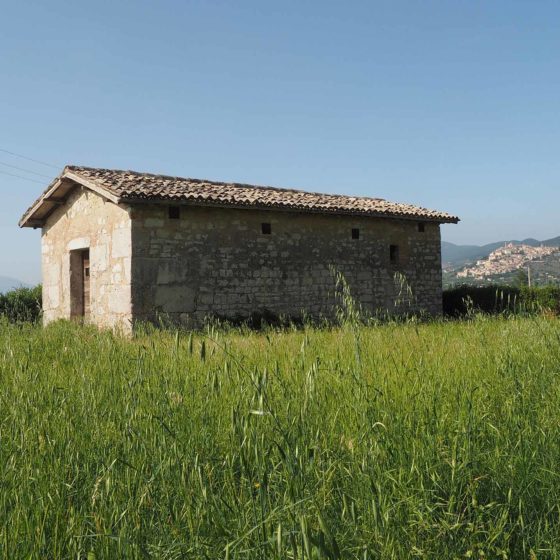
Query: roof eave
pixel 304 210
pixel 450 220
pixel 27 219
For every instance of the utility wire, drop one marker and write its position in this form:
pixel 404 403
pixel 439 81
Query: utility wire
pixel 25 170
pixel 21 177
pixel 31 159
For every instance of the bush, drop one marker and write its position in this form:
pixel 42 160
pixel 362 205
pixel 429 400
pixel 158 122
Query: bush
pixel 461 300
pixel 21 305
pixel 546 298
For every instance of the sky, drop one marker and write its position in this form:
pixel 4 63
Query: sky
pixel 451 105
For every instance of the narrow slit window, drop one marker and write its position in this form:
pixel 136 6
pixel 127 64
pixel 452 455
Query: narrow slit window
pixel 174 212
pixel 421 227
pixel 394 254
pixel 266 228
pixel 355 233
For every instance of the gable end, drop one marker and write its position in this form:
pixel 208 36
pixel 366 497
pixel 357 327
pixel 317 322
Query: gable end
pixel 57 194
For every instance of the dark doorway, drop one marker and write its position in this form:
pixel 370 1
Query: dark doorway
pixel 85 281
pixel 80 295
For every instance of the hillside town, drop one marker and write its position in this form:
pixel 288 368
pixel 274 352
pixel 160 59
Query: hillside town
pixel 506 259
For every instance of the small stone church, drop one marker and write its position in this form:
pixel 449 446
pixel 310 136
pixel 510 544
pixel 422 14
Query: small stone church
pixel 120 247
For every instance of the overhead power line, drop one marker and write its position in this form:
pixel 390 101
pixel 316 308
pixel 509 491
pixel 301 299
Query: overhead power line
pixel 25 170
pixel 30 159
pixel 21 177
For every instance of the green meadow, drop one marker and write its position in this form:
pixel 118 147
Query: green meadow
pixel 432 440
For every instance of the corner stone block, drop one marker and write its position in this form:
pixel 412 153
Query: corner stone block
pixel 122 243
pixel 51 274
pixel 119 300
pixel 52 301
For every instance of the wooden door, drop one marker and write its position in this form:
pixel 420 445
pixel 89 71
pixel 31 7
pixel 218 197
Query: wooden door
pixel 85 284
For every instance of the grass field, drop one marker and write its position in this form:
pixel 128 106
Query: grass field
pixel 400 441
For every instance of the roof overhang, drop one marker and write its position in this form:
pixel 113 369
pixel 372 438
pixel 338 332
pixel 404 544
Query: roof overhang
pixel 56 195
pixel 292 209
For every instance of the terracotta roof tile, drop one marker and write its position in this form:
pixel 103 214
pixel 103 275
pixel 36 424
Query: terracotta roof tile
pixel 131 186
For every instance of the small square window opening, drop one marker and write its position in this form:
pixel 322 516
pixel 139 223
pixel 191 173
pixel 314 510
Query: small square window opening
pixel 266 228
pixel 174 212
pixel 421 227
pixel 394 254
pixel 355 233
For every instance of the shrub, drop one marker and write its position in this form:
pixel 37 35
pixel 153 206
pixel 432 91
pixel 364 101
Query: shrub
pixel 496 299
pixel 545 298
pixel 21 305
pixel 488 299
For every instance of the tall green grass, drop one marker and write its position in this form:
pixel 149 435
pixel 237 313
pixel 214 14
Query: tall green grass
pixel 436 440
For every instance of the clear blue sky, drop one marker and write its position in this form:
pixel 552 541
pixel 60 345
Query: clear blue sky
pixel 451 104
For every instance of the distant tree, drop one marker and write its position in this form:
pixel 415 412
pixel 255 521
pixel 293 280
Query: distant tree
pixel 521 278
pixel 21 305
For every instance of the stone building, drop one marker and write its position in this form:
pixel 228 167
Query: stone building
pixel 120 247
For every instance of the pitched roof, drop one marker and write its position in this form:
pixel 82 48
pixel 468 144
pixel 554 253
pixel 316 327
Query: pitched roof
pixel 134 188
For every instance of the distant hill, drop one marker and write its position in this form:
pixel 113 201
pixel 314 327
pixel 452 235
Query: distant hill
pixel 500 264
pixel 7 283
pixel 457 256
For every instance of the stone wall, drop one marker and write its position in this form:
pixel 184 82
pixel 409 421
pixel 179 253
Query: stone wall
pixel 87 221
pixel 216 261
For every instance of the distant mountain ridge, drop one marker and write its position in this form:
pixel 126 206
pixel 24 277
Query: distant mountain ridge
pixel 455 256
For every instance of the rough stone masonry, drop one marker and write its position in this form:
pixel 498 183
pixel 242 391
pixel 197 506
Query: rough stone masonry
pixel 185 250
